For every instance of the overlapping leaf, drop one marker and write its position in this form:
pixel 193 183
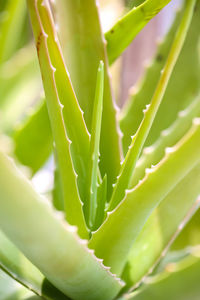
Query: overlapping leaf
pixel 114 239
pixel 49 242
pixel 138 140
pixel 61 102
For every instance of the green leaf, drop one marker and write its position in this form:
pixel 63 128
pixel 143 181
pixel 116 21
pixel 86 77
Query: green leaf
pixel 19 87
pixel 177 96
pixel 57 93
pixel 92 186
pixel 178 282
pixel 72 114
pixel 162 228
pixel 113 241
pixel 49 242
pixel 125 30
pixel 190 236
pixel 34 133
pixel 128 166
pixel 11 22
pixel 83 46
pixel 11 290
pixel 153 154
pixel 101 203
pixel 20 269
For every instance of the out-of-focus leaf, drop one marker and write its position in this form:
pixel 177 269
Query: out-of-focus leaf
pixel 125 30
pixel 49 242
pixel 138 140
pixel 12 290
pixel 14 263
pixel 114 239
pixel 19 87
pixel 177 96
pixel 190 236
pixel 178 282
pixel 33 141
pixel 11 22
pixel 162 227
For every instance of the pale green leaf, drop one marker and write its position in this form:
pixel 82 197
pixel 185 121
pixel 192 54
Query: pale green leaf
pixel 34 133
pixel 138 140
pixel 55 93
pixel 83 46
pixel 92 185
pixel 49 242
pixel 20 269
pixel 73 117
pixel 182 88
pixel 162 227
pixel 125 30
pixel 153 154
pixel 114 239
pixel 101 203
pixel 11 22
pixel 177 282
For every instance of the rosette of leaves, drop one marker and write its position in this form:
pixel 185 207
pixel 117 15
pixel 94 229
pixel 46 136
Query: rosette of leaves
pixel 116 205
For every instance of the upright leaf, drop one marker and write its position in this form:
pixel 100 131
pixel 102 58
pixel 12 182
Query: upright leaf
pixel 72 114
pixel 126 29
pixel 34 133
pixel 83 46
pixel 46 45
pixel 177 96
pixel 126 173
pixel 92 186
pixel 12 19
pixel 153 154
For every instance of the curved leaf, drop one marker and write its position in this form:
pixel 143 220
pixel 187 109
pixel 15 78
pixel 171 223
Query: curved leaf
pixel 114 239
pixel 49 242
pixel 57 94
pixel 138 140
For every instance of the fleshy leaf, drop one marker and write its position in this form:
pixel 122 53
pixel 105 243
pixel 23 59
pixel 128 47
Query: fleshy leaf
pixel 177 96
pixel 18 267
pixel 72 114
pixel 162 228
pixel 83 46
pixel 113 241
pixel 40 13
pixel 91 204
pixel 153 154
pixel 12 19
pixel 19 87
pixel 138 140
pixel 49 242
pixel 35 134
pixel 190 236
pixel 177 282
pixel 126 29
pixel 101 203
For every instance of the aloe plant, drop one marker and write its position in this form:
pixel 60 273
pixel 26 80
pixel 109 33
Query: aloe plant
pixel 118 203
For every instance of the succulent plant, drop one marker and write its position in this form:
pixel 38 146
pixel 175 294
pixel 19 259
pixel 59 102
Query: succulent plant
pixel 126 182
